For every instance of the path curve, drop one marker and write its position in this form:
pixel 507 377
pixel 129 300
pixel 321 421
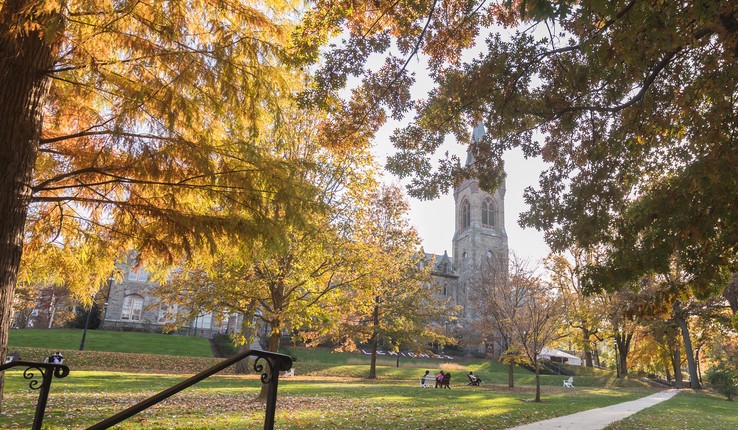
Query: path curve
pixel 598 419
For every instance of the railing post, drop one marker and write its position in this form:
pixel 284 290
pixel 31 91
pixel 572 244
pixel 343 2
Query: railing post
pixel 48 372
pixel 43 397
pixel 271 401
pixel 276 363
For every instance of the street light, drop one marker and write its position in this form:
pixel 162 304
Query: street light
pixel 617 361
pixel 107 297
pixel 87 323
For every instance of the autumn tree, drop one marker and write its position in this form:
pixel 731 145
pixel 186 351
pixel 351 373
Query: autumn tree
pixel 539 324
pixel 498 298
pixel 395 303
pixel 137 124
pixel 296 280
pixel 621 322
pixel 583 313
pixel 632 105
pixel 519 310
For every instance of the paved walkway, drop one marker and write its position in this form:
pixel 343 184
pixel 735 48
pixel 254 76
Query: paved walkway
pixel 597 419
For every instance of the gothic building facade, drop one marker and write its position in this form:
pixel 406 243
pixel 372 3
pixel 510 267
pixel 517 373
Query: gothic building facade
pixel 479 237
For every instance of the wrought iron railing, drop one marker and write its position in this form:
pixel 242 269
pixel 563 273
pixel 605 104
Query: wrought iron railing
pixel 270 376
pixel 47 371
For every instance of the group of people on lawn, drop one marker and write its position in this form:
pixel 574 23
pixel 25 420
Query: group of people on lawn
pixel 444 379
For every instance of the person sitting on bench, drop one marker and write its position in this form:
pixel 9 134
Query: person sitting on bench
pixel 474 380
pixel 446 381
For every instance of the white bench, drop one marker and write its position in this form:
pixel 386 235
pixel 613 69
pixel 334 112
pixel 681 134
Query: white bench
pixel 430 380
pixel 290 372
pixel 569 383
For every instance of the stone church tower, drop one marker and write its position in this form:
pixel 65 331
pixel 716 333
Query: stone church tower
pixel 480 230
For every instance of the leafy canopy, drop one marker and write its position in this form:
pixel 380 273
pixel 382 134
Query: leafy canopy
pixel 631 103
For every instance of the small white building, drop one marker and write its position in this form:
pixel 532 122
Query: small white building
pixel 559 356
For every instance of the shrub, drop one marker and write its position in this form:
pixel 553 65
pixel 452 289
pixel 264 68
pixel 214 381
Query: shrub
pixel 723 381
pixel 224 344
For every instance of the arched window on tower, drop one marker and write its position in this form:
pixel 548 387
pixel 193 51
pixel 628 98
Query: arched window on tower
pixel 465 215
pixel 488 213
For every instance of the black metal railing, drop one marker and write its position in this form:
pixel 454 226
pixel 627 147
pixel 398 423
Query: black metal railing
pixel 47 371
pixel 276 363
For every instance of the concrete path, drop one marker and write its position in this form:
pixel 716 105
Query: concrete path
pixel 597 419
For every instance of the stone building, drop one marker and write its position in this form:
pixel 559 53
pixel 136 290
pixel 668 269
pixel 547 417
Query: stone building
pixel 479 236
pixel 132 306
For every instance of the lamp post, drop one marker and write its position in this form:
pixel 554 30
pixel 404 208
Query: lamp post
pixel 87 323
pixel 617 360
pixel 107 297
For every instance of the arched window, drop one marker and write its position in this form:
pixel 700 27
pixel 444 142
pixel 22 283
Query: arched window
pixel 132 308
pixel 488 213
pixel 465 215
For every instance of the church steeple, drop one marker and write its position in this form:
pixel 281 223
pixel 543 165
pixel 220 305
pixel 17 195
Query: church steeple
pixel 477 135
pixel 480 224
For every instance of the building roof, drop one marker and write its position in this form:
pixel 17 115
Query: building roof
pixel 443 263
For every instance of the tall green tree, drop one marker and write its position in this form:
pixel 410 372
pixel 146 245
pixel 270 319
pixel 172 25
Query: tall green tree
pixel 135 124
pixel 625 100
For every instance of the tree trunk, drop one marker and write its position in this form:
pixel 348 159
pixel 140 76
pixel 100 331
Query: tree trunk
pixel 273 346
pixel 587 348
pixel 510 372
pixel 538 379
pixel 688 351
pixel 676 365
pixel 697 360
pixel 596 356
pixel 26 59
pixel 731 294
pixel 623 345
pixel 243 366
pixel 375 343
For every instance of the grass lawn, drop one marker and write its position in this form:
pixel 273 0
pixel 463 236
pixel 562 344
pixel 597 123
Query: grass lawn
pixel 111 341
pixel 304 403
pixel 329 391
pixel 687 410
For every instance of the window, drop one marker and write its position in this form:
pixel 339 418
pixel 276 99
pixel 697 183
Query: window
pixel 139 275
pixel 167 313
pixel 132 308
pixel 465 215
pixel 204 321
pixel 488 213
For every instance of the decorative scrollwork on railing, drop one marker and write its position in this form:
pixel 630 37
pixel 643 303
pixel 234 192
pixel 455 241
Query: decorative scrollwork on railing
pixel 34 383
pixel 58 371
pixel 266 377
pixel 61 371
